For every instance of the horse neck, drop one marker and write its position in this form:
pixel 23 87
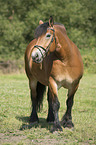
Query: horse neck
pixel 63 46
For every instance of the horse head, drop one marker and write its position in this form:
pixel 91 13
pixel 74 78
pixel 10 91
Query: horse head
pixel 46 40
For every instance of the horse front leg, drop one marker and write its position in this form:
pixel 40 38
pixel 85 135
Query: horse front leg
pixel 33 93
pixel 55 104
pixel 50 117
pixel 67 118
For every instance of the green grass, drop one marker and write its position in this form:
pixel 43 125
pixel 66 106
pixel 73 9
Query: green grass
pixel 15 108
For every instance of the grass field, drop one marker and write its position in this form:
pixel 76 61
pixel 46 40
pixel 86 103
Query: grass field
pixel 15 108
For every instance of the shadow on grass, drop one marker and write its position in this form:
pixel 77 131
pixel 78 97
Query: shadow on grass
pixel 26 125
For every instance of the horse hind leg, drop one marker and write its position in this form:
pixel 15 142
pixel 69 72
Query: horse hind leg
pixel 37 91
pixel 67 118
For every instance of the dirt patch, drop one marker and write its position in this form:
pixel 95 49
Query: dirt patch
pixel 13 139
pixel 48 142
pixel 16 139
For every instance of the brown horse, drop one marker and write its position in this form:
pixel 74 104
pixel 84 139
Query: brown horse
pixel 52 60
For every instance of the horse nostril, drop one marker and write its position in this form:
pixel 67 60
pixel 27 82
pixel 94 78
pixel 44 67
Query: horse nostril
pixel 35 56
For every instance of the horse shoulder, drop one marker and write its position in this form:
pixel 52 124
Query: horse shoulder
pixel 65 73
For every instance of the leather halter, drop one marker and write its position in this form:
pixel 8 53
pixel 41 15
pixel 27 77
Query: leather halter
pixel 47 48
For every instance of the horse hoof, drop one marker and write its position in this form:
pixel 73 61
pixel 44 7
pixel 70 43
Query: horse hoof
pixel 33 120
pixel 67 124
pixel 32 123
pixel 56 128
pixel 50 120
pixel 28 126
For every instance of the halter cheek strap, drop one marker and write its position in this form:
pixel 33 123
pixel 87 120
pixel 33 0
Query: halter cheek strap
pixel 47 48
pixel 37 46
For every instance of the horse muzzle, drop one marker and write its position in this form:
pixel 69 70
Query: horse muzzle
pixel 37 56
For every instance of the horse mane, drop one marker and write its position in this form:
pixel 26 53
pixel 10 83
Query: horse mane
pixel 42 29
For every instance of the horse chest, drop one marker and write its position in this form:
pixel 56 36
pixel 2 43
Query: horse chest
pixel 62 76
pixel 64 80
pixel 40 75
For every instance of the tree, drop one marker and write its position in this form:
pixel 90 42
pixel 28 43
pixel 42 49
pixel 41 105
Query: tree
pixel 19 18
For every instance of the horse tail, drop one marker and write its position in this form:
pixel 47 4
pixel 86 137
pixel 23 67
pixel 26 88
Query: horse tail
pixel 40 94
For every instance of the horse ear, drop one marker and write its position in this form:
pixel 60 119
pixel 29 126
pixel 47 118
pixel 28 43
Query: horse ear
pixel 51 21
pixel 41 22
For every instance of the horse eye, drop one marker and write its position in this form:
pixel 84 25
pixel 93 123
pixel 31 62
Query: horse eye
pixel 48 35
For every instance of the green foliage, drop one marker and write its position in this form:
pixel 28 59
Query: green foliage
pixel 13 36
pixel 89 60
pixel 19 18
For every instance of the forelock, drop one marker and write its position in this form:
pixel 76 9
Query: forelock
pixel 41 29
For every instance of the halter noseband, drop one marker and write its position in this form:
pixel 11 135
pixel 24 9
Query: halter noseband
pixel 47 48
